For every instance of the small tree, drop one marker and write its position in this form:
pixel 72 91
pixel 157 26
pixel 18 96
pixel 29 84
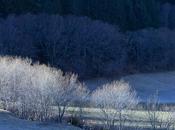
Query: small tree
pixel 66 93
pixel 152 108
pixel 112 99
pixel 155 117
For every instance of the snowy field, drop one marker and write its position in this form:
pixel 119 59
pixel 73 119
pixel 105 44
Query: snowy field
pixel 146 85
pixel 9 122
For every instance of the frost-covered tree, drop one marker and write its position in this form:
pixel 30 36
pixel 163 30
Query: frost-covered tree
pixel 155 119
pixel 31 90
pixel 113 99
pixel 66 92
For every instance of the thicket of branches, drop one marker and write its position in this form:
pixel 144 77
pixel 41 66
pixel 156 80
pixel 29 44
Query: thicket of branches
pixel 86 47
pixel 32 91
pixel 113 99
pixel 38 92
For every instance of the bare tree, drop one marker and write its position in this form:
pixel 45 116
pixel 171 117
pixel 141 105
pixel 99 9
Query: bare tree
pixel 156 117
pixel 112 99
pixel 67 93
pixel 152 108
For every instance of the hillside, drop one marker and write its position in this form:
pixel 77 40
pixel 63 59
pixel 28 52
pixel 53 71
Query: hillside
pixel 146 85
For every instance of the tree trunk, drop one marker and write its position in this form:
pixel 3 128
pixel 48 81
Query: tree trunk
pixel 61 113
pixel 120 120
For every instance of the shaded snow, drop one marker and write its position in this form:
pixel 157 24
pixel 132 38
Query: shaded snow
pixel 146 85
pixel 9 122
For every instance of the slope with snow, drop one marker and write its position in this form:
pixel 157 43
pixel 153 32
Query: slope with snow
pixel 9 122
pixel 146 85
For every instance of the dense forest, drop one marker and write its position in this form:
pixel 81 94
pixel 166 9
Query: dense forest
pixel 92 38
pixel 128 14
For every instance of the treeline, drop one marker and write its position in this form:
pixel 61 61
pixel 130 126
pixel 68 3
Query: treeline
pixel 86 47
pixel 128 14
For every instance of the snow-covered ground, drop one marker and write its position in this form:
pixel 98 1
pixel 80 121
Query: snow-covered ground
pixel 9 122
pixel 146 85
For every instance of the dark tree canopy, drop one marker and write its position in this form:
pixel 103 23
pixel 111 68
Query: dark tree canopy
pixel 128 14
pixel 87 47
pixel 91 37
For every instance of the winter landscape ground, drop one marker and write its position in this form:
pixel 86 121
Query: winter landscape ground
pixel 9 122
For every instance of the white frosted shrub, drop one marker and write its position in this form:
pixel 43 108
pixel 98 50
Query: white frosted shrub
pixel 31 90
pixel 113 99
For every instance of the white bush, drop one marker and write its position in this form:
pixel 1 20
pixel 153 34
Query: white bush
pixel 31 90
pixel 112 99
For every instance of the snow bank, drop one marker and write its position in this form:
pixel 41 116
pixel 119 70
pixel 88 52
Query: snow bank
pixel 9 122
